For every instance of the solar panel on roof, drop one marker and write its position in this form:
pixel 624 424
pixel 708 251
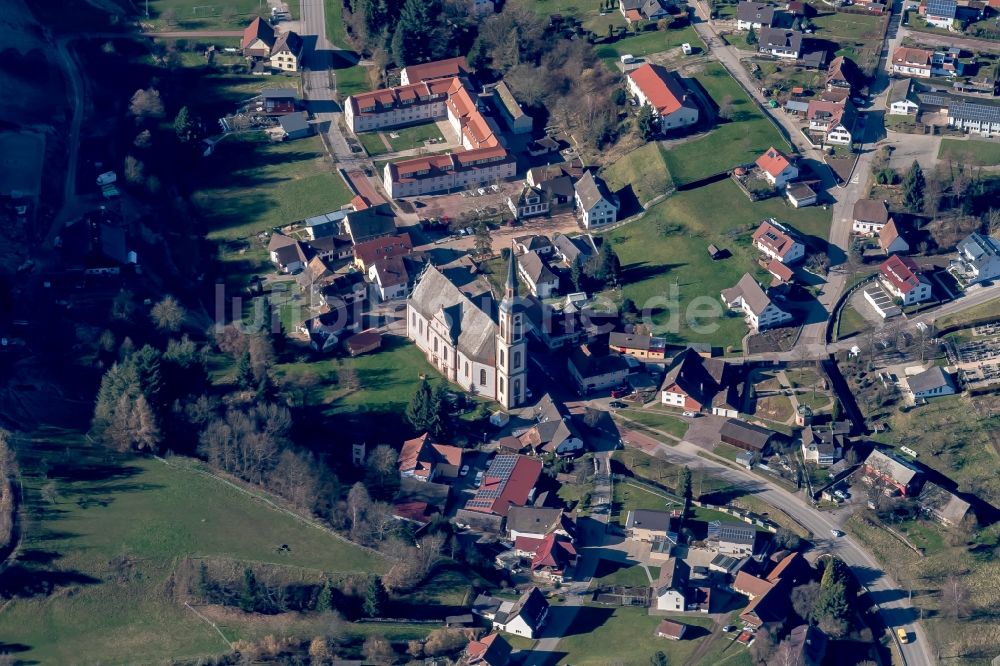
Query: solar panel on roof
pixel 973 111
pixel 941 7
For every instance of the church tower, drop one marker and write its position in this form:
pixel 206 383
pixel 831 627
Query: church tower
pixel 512 349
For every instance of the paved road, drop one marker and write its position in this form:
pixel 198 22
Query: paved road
pixel 894 606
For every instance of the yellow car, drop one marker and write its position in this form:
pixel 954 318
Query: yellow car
pixel 903 636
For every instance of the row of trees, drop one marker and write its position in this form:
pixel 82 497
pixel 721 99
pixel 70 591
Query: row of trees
pixel 409 31
pixel 8 503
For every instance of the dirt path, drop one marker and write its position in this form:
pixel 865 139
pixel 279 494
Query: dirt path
pixel 718 621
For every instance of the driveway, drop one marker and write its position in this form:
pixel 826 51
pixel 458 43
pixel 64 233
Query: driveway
pixel 908 147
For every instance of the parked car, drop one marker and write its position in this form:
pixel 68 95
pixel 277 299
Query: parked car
pixel 836 533
pixel 728 628
pixel 620 391
pixel 464 471
pixel 617 404
pixel 690 414
pixel 841 494
pixel 902 635
pixel 479 478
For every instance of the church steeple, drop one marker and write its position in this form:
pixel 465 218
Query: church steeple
pixel 510 290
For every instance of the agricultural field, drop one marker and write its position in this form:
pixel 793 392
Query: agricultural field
pixel 730 144
pixel 668 247
pixel 103 535
pixel 250 185
pixel 673 425
pixel 970 151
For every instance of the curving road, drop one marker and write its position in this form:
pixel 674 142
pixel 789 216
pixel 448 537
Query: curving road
pixel 893 604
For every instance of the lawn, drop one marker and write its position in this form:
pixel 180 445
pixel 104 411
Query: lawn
pixel 842 27
pixel 984 312
pixel 583 10
pixel 372 141
pixel 665 252
pixel 335 30
pixel 645 43
pixel 351 80
pixel 633 576
pixel 673 425
pixel 970 151
pixel 250 185
pixel 408 138
pixel 628 497
pixel 95 565
pixel 739 141
pixel 173 15
pixel 644 169
pixel 602 635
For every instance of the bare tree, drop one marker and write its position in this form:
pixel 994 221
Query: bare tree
pixel 168 314
pixel 955 596
pixel 787 655
pixel 146 103
pixel 358 502
pixel 378 650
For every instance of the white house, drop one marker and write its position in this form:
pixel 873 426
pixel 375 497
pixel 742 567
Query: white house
pixel 978 259
pixel 870 216
pixel 778 170
pixel 524 617
pixel 529 202
pixel 902 101
pixel 754 15
pixel 931 383
pixel 665 93
pixel 891 240
pixel 834 120
pixel 542 282
pixel 671 585
pixel 391 277
pixel 748 297
pixel 902 278
pixel 780 43
pixel 594 204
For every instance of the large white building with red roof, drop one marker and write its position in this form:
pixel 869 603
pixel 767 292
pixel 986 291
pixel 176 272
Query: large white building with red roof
pixel 778 170
pixel 663 90
pixel 902 278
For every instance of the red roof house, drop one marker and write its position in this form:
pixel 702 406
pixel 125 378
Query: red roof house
pixel 777 168
pixel 902 278
pixel 509 481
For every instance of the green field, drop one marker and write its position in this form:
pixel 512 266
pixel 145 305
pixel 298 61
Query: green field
pixel 985 311
pixel 628 497
pixel 652 262
pixel 351 80
pixel 172 15
pixel 602 635
pixel 645 43
pixel 644 169
pixel 731 144
pixel 250 185
pixel 335 31
pixel 629 576
pixel 840 27
pixel 94 570
pixel 970 151
pixel 372 141
pixel 850 322
pixel 673 425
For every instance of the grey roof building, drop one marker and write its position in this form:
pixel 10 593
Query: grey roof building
pixel 780 42
pixel 576 248
pixel 931 383
pixel 755 13
pixel 472 328
pixel 732 537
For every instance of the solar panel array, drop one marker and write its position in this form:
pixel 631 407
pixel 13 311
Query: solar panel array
pixel 941 8
pixel 500 469
pixel 975 111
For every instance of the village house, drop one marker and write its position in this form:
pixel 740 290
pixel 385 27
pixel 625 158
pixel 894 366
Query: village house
pixel 525 617
pixel 780 43
pixel 574 249
pixel 651 526
pixel 550 556
pixel 824 445
pixel 777 169
pixel 843 74
pixel 643 347
pixel 595 371
pixel 778 241
pixel 733 539
pixel 425 460
pixel 393 277
pixel 368 252
pixel 870 216
pixel 746 436
pixel 891 240
pixel 514 117
pixel 643 10
pixel 282 51
pixel 534 243
pixel 538 522
pixel 361 343
pixel 780 273
pixel 696 384
pixel 370 223
pixel 462 341
pixel 492 650
pixel 977 260
pixel 977 116
pixel 286 253
pixel 758 309
pixel 902 99
pixel 902 278
pixel 755 15
pixel 553 432
pixel 939 13
pixel 535 272
pixel 665 93
pixel 529 202
pixel 671 585
pixel 931 383
pixel 900 476
pixel 595 206
pixel 834 121
pixel 509 481
pixel 943 506
pixel 924 63
pixel 769 603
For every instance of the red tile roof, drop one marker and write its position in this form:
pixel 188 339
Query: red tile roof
pixel 750 585
pixel 670 628
pixel 773 162
pixel 418 512
pixel 902 272
pixel 508 481
pixel 257 29
pixel 661 87
pixel 381 248
pixel 780 271
pixel 437 69
pixel 912 57
pixel 776 240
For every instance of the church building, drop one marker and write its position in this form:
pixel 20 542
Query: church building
pixel 464 342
